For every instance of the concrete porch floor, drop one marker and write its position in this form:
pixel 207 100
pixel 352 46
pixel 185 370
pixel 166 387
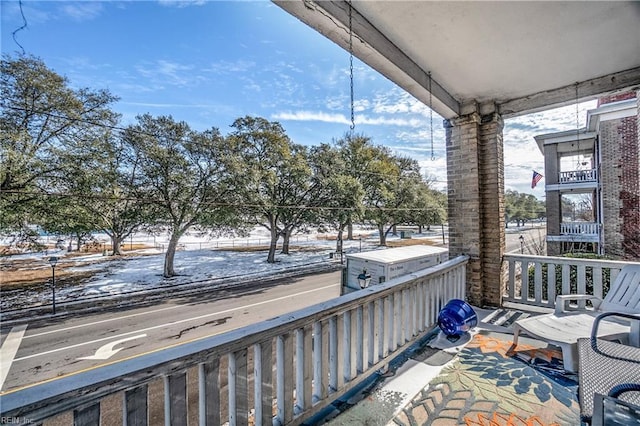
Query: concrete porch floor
pixel 381 399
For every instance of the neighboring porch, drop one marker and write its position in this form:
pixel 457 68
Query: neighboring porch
pixel 289 369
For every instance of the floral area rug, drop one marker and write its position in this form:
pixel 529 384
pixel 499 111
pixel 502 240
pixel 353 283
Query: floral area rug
pixel 489 383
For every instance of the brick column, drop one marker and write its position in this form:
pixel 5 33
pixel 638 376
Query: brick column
pixel 620 178
pixel 554 213
pixel 492 208
pixel 475 175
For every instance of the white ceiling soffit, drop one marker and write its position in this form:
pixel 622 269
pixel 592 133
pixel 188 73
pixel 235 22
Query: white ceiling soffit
pixel 521 56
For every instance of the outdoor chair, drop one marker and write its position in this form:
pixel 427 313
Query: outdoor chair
pixel 564 327
pixel 609 378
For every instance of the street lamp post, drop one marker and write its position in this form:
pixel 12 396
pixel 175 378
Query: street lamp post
pixel 53 261
pixel 521 244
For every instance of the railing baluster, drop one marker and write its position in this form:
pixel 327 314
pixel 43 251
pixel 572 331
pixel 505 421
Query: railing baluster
pixel 89 415
pixel 340 334
pixel 398 319
pixel 362 333
pixel 388 326
pixel 582 284
pixel 324 383
pixel 372 347
pixel 263 382
pixel 135 411
pixel 333 353
pixel 380 326
pixel 238 389
pixel 410 329
pixel 433 302
pixel 566 279
pixel 346 352
pixel 209 392
pixel 537 282
pixel 422 305
pixel 317 362
pixel 596 276
pixel 524 278
pixel 551 284
pixel 175 391
pixel 512 280
pixel 393 321
pixel 304 368
pixel 418 302
pixel 413 309
pixel 284 361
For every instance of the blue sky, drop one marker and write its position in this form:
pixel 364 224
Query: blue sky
pixel 210 62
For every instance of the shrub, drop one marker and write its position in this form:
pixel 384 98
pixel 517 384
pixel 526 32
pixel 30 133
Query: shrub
pixel 573 276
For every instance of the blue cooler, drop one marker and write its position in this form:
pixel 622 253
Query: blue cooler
pixel 457 317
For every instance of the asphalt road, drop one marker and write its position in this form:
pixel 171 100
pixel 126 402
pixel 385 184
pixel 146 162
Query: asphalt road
pixel 33 353
pixel 533 237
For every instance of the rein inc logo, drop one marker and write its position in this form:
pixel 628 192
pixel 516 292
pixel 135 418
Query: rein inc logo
pixel 16 421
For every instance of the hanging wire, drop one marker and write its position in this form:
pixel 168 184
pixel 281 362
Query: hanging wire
pixel 433 157
pixel 24 25
pixel 353 121
pixel 577 125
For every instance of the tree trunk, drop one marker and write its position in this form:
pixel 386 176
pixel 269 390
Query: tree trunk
pixel 116 241
pixel 271 257
pixel 286 237
pixel 339 241
pixel 170 256
pixel 349 230
pixel 394 230
pixel 420 229
pixel 383 236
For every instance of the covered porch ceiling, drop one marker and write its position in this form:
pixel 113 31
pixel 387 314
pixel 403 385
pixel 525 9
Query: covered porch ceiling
pixel 516 56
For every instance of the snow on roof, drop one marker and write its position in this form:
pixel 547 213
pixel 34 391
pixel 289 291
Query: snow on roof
pixel 398 254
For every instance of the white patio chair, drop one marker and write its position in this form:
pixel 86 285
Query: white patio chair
pixel 563 327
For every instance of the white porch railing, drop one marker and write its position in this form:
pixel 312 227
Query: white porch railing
pixel 537 280
pixel 579 228
pixel 281 371
pixel 578 176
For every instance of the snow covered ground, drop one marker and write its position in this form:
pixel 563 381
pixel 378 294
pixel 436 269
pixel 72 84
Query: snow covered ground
pixel 198 260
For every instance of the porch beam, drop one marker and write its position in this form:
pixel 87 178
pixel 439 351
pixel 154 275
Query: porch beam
pixel 588 89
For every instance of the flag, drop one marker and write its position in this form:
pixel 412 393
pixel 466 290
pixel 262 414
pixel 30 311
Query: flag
pixel 536 178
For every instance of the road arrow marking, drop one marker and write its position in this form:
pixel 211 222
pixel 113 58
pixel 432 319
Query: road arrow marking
pixel 9 349
pixel 107 351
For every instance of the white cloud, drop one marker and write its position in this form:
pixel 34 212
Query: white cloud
pixel 397 101
pixel 360 119
pixel 181 3
pixel 389 121
pixel 82 11
pixel 312 116
pixel 165 72
pixel 168 105
pixel 230 67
